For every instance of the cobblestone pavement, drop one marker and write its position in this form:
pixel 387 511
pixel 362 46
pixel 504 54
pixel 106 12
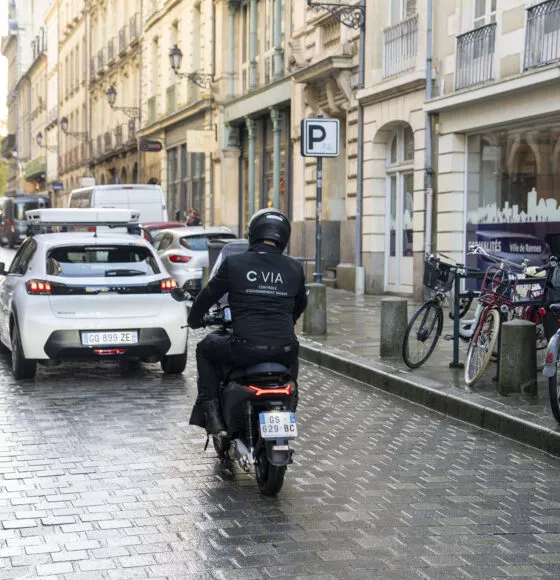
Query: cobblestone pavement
pixel 101 477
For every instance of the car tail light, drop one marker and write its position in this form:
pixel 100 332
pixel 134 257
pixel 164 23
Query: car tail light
pixel 39 287
pixel 542 311
pixel 287 390
pixel 168 284
pixel 177 259
pixel 91 229
pixel 12 226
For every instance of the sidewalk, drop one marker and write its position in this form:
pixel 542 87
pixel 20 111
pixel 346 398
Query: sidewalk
pixel 351 347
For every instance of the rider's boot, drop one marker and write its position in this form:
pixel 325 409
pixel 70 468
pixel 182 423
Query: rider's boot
pixel 213 416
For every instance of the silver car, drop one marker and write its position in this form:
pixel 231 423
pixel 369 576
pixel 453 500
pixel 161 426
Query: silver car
pixel 184 252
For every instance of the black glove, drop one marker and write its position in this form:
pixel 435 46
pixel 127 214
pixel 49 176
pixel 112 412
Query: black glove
pixel 194 324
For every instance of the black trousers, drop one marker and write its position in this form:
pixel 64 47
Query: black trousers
pixel 219 352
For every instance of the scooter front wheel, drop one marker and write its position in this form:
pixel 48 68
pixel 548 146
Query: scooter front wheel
pixel 270 478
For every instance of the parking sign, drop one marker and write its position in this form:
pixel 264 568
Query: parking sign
pixel 320 137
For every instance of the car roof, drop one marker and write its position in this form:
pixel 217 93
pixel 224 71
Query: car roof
pixel 90 238
pixel 162 225
pixel 197 231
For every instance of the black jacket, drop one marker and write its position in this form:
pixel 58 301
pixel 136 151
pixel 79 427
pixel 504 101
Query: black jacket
pixel 266 295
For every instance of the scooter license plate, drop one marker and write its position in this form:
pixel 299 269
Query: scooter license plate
pixel 278 424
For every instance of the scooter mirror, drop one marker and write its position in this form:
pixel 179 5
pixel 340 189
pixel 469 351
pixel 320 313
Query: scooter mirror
pixel 179 295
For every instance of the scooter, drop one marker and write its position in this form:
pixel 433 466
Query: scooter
pixel 258 407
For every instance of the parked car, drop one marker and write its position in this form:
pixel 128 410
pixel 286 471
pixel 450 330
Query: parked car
pixel 147 199
pixel 89 295
pixel 152 229
pixel 14 228
pixel 184 252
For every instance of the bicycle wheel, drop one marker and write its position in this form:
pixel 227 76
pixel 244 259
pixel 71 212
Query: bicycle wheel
pixel 554 396
pixel 422 334
pixel 482 345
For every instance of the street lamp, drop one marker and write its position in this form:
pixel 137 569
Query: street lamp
pixel 200 79
pixel 77 134
pixel 111 93
pixel 39 141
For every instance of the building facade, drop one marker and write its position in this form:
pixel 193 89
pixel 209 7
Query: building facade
pixel 114 34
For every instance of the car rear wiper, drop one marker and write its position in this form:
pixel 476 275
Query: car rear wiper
pixel 124 272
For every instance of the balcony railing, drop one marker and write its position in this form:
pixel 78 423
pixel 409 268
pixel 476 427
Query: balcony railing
pixel 400 47
pixel 108 141
pixel 111 52
pixel 101 61
pixel 131 131
pixel 171 100
pixel 542 41
pixel 118 136
pixel 122 40
pixel 152 110
pixel 475 57
pixel 134 27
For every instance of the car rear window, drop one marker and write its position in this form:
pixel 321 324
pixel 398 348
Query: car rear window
pixel 198 243
pixel 23 206
pixel 101 261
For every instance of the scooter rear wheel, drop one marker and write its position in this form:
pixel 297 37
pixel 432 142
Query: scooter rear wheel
pixel 270 478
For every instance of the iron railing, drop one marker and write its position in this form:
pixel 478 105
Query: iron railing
pixel 171 101
pixel 400 47
pixel 100 61
pixel 118 136
pixel 111 52
pixel 542 40
pixel 475 57
pixel 134 27
pixel 122 40
pixel 131 130
pixel 108 141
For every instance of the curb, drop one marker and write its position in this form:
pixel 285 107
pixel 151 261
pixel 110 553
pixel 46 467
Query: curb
pixel 435 396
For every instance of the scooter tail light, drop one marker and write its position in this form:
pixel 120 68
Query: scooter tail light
pixel 259 391
pixel 39 287
pixel 542 311
pixel 168 284
pixel 550 357
pixel 109 351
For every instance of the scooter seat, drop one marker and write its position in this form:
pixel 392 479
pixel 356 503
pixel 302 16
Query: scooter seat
pixel 260 370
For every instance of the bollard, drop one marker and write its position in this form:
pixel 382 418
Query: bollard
pixel 394 321
pixel 518 358
pixel 315 315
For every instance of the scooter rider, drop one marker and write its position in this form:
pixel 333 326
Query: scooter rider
pixel 266 296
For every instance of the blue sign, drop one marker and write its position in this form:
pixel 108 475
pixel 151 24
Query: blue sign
pixel 57 185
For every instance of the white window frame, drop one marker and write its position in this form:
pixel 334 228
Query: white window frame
pixel 489 15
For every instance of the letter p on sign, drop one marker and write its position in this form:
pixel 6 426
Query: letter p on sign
pixel 320 137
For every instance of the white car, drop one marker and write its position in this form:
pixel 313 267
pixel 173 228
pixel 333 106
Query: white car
pixel 184 252
pixel 89 295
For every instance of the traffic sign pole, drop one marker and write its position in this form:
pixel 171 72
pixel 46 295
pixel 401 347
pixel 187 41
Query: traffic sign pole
pixel 318 274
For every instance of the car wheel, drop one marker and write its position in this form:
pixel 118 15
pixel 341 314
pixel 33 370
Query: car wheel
pixel 11 242
pixel 23 368
pixel 174 364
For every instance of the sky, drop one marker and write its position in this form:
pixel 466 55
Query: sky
pixel 3 62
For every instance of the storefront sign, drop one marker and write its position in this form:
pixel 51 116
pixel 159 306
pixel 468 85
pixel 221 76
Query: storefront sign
pixel 149 146
pixel 57 185
pixel 201 141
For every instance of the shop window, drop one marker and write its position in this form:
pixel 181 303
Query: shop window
pixel 513 190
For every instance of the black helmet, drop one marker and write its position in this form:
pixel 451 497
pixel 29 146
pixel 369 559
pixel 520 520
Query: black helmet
pixel 270 224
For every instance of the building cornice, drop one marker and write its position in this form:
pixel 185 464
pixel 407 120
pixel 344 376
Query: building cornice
pixel 183 114
pixel 402 85
pixel 322 68
pixel 159 14
pixel 521 82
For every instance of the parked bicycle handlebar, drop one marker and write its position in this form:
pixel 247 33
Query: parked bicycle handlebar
pixel 476 250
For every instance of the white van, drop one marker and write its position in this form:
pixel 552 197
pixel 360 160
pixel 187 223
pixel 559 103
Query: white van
pixel 147 199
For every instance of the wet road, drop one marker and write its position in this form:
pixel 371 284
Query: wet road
pixel 101 477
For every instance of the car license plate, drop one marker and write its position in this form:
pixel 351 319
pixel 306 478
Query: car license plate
pixel 276 425
pixel 110 337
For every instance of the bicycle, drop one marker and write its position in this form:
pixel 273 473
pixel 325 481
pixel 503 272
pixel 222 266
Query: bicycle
pixel 419 342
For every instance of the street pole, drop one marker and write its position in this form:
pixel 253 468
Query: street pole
pixel 318 275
